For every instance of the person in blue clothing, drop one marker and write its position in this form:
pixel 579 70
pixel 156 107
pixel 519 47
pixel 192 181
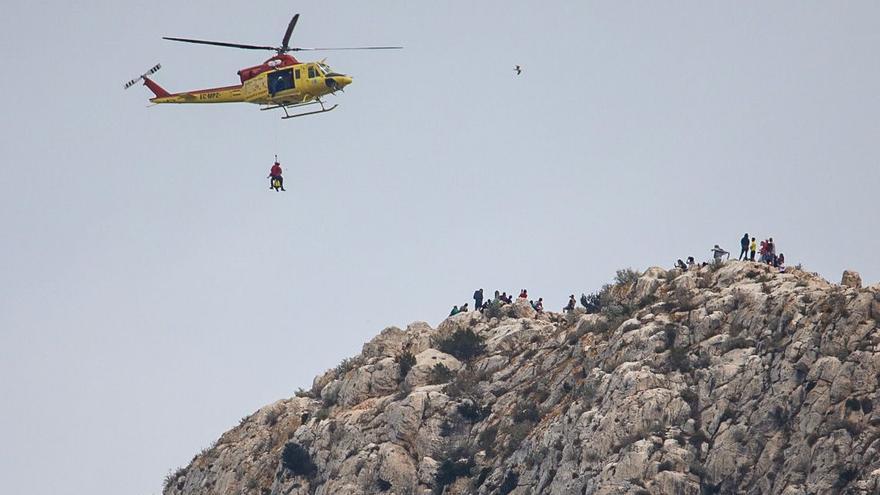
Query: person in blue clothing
pixel 744 244
pixel 478 299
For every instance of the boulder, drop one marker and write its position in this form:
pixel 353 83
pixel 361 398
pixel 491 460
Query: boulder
pixel 851 279
pixel 397 467
pixel 648 283
pixel 418 337
pixel 389 342
pixel 522 309
pixel 426 360
pixel 875 307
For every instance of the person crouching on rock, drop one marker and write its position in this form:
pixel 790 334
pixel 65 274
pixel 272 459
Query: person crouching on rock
pixel 571 303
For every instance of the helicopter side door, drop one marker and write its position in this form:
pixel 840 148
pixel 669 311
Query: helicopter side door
pixel 280 80
pixel 314 82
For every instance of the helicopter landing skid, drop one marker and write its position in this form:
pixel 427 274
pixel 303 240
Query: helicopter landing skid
pixel 287 115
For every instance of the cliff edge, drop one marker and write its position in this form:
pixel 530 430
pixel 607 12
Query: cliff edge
pixel 725 379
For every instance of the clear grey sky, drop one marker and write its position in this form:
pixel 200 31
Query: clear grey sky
pixel 155 291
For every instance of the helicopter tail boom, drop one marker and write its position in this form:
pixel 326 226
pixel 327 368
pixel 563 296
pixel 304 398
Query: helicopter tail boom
pixel 155 88
pixel 227 94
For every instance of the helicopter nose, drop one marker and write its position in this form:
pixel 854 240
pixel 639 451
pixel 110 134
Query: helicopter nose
pixel 337 82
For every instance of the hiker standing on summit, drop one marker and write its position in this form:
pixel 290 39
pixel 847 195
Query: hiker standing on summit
pixel 744 244
pixel 478 299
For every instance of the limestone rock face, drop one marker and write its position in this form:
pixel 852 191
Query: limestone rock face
pixel 851 279
pixel 730 378
pixel 426 361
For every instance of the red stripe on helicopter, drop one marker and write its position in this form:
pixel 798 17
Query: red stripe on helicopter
pixel 209 90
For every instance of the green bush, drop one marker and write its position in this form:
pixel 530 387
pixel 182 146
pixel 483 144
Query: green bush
pixel 471 411
pixel 678 359
pixel 322 414
pixel 486 439
pixel 171 477
pixel 493 309
pixel 698 438
pixel 440 374
pixel 592 302
pixel 347 365
pixel 670 333
pixel 463 344
pixel 587 392
pixel 516 434
pixel 272 416
pixel 465 385
pixel 405 362
pixel 297 460
pixel 845 477
pixel 457 464
pixel 627 276
pixel 511 480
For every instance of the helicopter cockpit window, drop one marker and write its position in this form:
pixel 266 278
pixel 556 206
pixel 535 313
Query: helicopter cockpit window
pixel 280 80
pixel 324 68
pixel 311 71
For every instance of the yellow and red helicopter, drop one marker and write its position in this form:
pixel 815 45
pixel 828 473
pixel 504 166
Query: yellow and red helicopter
pixel 280 82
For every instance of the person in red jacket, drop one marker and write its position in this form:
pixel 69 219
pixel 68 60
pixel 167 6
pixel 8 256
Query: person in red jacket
pixel 275 173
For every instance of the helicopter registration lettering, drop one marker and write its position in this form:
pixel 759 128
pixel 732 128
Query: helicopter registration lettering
pixel 209 96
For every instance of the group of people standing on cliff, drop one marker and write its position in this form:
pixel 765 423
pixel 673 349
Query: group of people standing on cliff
pixel 749 247
pixel 501 298
pixel 767 251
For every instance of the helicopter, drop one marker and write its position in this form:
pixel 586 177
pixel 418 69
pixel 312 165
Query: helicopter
pixel 280 82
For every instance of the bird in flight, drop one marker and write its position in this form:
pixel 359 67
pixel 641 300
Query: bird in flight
pixel 518 70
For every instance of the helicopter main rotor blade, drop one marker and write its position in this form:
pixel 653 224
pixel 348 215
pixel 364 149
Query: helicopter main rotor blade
pixel 349 48
pixel 284 42
pixel 220 43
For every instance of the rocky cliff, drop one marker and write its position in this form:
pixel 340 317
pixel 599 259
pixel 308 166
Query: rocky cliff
pixel 727 379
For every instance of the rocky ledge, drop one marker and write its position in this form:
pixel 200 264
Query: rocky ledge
pixel 727 379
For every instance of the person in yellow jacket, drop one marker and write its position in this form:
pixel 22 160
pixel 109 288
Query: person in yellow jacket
pixel 753 247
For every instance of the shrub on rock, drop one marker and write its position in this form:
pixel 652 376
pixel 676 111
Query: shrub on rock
pixel 297 460
pixel 463 344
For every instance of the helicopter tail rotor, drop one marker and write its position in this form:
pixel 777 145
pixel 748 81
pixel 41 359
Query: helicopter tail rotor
pixel 152 71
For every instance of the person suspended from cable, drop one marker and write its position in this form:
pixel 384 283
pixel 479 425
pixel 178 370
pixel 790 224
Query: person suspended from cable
pixel 275 180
